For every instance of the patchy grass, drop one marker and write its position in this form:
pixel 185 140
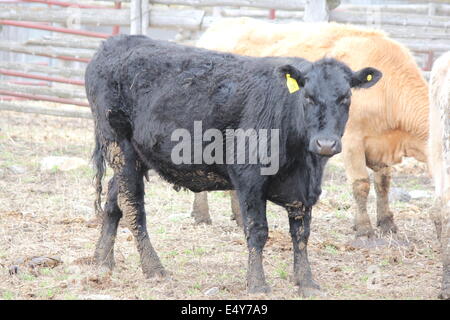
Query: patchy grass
pixel 48 213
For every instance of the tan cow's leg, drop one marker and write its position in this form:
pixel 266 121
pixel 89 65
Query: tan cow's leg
pixel 385 218
pixel 200 209
pixel 235 210
pixel 357 175
pixel 362 225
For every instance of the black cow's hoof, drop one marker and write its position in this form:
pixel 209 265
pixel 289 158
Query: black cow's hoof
pixel 106 263
pixel 259 289
pixel 309 288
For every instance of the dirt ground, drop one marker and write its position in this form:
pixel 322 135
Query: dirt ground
pixel 48 213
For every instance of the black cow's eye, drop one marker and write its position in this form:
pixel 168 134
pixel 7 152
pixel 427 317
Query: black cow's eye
pixel 309 99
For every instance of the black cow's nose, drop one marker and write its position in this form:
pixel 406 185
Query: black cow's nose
pixel 326 147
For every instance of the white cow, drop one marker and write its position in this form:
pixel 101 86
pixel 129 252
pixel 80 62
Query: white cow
pixel 439 159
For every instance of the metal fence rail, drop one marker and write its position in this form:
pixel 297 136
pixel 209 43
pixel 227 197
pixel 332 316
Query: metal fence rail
pixel 75 30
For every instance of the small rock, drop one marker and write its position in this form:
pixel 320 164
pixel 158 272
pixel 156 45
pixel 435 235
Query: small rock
pixel 34 263
pixel 28 214
pixel 420 194
pixel 17 169
pixel 399 194
pixel 46 262
pixel 62 163
pixel 212 291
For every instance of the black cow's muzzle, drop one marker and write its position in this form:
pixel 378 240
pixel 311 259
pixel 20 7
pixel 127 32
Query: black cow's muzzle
pixel 325 147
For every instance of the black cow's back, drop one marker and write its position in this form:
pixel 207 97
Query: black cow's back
pixel 162 86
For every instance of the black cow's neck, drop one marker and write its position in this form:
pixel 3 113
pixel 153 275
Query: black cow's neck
pixel 294 128
pixel 301 169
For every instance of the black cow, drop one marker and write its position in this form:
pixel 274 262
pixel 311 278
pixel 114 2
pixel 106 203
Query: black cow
pixel 141 90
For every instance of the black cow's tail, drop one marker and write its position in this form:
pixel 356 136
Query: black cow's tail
pixel 121 124
pixel 99 166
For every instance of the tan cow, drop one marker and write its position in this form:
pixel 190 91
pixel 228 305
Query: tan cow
pixel 439 159
pixel 387 122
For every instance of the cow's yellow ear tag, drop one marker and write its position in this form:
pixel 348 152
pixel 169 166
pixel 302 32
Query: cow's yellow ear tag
pixel 291 84
pixel 369 77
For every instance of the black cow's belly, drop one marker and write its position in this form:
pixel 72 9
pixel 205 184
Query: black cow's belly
pixel 196 180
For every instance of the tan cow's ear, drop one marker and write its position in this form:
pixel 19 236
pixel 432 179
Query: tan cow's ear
pixel 365 78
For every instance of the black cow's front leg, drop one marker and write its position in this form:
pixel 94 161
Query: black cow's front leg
pixel 104 251
pixel 253 209
pixel 131 202
pixel 299 224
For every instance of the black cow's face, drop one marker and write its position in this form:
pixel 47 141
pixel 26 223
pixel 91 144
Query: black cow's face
pixel 324 94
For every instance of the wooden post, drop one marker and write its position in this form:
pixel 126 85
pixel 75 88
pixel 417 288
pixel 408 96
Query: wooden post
pixel 145 16
pixel 139 16
pixel 135 17
pixel 319 10
pixel 431 9
pixel 316 10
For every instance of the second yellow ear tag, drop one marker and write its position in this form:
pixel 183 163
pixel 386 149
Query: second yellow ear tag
pixel 369 77
pixel 291 84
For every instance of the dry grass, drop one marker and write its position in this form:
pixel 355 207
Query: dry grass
pixel 48 213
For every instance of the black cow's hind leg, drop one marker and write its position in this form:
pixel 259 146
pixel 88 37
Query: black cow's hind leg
pixel 299 223
pixel 104 251
pixel 131 201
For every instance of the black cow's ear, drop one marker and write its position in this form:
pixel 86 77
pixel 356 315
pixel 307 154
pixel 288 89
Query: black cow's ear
pixel 292 77
pixel 365 78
